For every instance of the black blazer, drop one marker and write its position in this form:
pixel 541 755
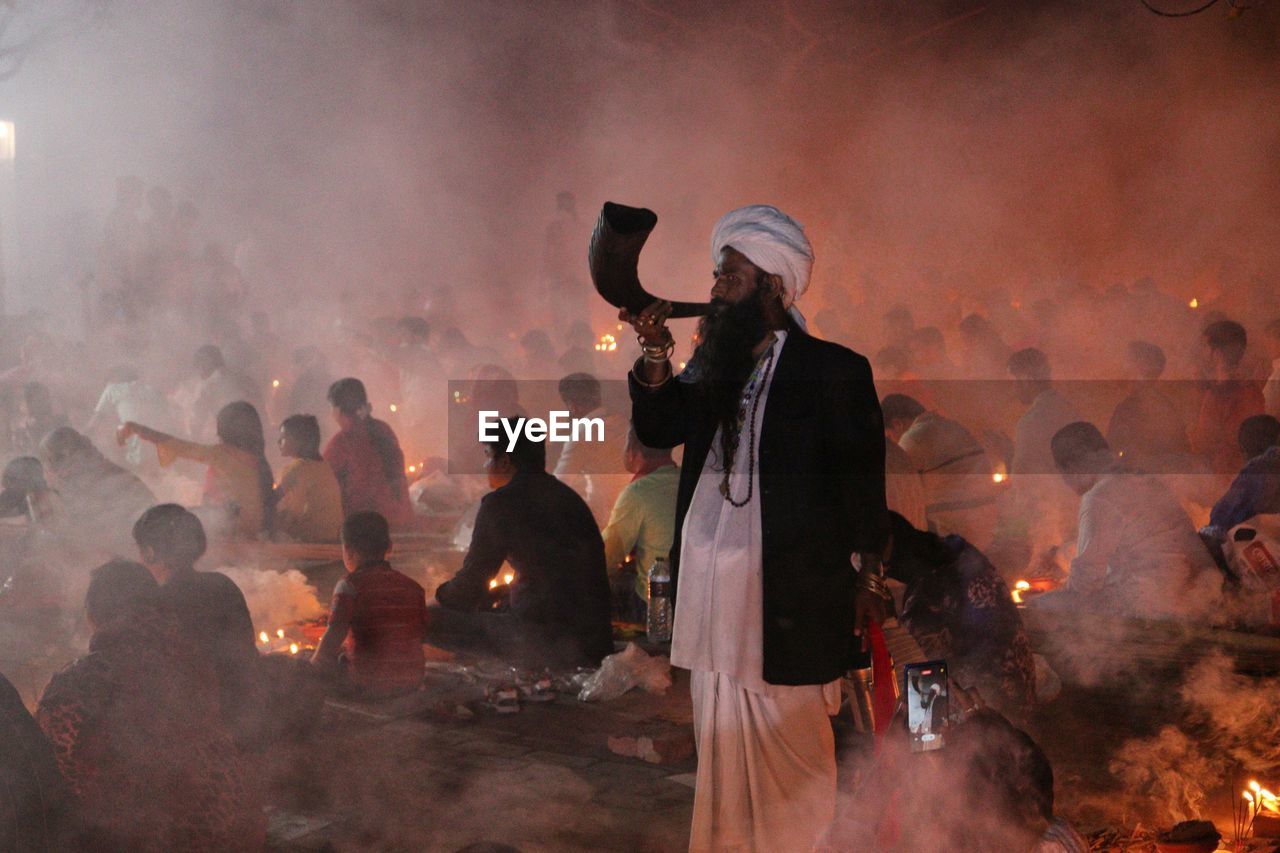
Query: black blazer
pixel 820 478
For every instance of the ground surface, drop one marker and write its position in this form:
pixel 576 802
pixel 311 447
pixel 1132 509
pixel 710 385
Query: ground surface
pixel 413 778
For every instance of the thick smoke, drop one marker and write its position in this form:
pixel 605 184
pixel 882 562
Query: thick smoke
pixel 1230 732
pixel 356 160
pixel 275 599
pixel 388 149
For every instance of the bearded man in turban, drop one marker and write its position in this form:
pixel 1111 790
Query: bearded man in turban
pixel 780 523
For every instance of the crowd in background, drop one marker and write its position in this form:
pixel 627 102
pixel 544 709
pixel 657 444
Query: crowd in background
pixel 1105 438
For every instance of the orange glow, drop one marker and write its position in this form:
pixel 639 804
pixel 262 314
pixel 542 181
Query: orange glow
pixel 394 409
pixel 275 383
pixel 293 648
pixel 263 638
pixel 607 343
pixel 280 633
pixel 1019 587
pixel 1194 303
pixel 1262 798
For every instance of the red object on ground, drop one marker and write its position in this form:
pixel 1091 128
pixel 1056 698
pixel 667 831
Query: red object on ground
pixel 884 699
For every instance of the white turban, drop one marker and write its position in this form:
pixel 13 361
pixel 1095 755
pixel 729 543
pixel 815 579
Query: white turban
pixel 769 239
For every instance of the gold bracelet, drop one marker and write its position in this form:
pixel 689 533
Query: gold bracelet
pixel 873 584
pixel 666 346
pixel 636 376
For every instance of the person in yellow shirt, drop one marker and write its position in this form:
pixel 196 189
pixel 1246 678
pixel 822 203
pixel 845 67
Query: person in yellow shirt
pixel 238 481
pixel 642 522
pixel 308 498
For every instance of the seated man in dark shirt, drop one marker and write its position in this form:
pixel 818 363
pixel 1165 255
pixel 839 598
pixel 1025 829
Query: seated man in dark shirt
pixel 1256 489
pixel 383 612
pixel 209 606
pixel 558 613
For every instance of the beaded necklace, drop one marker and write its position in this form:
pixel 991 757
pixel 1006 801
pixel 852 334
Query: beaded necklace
pixel 751 394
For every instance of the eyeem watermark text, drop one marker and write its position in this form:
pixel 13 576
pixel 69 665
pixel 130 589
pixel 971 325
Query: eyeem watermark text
pixel 559 427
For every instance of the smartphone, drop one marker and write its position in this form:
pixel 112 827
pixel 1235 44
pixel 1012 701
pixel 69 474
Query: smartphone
pixel 925 687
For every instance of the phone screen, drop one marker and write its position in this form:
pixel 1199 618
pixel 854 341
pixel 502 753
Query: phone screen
pixel 925 688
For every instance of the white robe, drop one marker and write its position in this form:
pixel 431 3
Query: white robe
pixel 766 755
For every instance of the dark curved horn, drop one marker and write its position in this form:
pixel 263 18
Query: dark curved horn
pixel 614 257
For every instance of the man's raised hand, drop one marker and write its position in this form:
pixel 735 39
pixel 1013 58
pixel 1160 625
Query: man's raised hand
pixel 651 323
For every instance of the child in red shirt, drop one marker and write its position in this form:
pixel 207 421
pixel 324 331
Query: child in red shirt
pixel 378 618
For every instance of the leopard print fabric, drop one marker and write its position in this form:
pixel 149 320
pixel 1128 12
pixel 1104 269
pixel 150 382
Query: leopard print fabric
pixel 138 738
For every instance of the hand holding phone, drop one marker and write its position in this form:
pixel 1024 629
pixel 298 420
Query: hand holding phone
pixel 926 688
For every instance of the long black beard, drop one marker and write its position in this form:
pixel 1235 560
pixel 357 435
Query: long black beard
pixel 725 360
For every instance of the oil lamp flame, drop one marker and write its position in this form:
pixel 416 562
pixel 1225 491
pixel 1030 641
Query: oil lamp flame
pixel 1194 303
pixel 607 343
pixel 1019 587
pixel 293 648
pixel 263 638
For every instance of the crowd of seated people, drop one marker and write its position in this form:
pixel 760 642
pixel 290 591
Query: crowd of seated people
pixel 1131 548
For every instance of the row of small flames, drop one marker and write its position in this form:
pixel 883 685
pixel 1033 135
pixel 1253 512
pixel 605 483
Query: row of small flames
pixel 1256 812
pixel 278 642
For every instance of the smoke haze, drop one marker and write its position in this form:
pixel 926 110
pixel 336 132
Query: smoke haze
pixel 380 147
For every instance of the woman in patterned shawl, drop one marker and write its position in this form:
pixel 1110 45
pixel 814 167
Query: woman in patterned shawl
pixel 137 734
pixel 959 610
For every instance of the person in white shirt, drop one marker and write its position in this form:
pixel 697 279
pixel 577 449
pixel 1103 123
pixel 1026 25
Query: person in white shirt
pixel 592 466
pixel 128 398
pixel 953 467
pixel 1136 552
pixel 1039 504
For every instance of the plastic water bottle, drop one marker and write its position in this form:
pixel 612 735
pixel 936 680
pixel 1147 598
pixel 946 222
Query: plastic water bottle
pixel 659 621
